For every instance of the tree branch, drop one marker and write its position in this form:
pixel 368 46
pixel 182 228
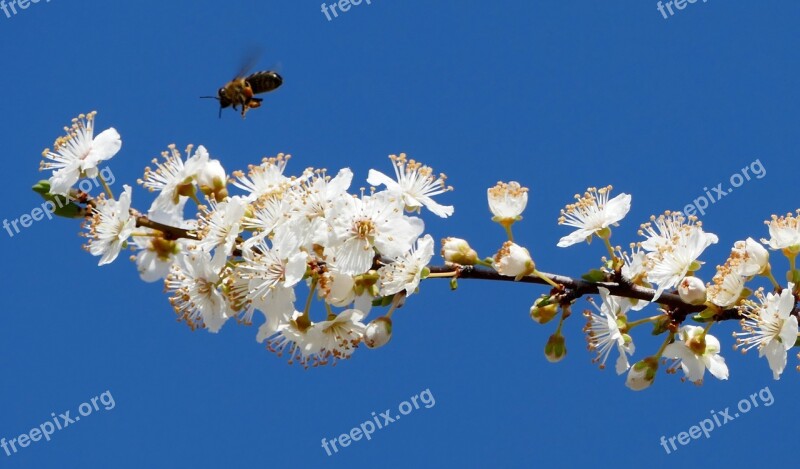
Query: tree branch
pixel 577 288
pixel 170 232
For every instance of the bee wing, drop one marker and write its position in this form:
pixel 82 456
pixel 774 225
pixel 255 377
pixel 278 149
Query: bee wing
pixel 264 81
pixel 249 61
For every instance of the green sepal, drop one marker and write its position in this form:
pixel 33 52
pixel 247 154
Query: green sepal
pixel 382 301
pixel 661 325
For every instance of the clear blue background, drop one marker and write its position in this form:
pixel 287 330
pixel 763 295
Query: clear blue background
pixel 557 95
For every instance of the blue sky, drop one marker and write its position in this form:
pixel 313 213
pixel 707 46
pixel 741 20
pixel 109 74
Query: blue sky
pixel 557 95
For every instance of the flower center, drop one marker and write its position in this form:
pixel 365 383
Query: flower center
pixel 364 229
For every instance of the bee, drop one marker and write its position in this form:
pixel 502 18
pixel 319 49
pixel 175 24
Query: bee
pixel 241 90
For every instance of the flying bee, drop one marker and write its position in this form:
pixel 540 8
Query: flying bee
pixel 241 90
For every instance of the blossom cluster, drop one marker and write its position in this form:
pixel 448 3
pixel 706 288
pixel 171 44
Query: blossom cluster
pixel 245 254
pixel 665 260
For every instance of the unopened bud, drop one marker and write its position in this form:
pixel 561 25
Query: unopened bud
pixel 212 180
pixel 458 251
pixel 378 332
pixel 543 310
pixel 692 290
pixel 556 348
pixel 642 374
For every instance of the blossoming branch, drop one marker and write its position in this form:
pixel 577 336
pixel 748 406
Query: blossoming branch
pixel 248 255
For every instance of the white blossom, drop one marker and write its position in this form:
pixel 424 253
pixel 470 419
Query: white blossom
pixel 78 153
pixel 110 226
pixel 770 327
pixel 593 213
pixel 696 354
pixel 416 184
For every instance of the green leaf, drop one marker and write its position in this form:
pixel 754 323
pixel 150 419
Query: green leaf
pixel 60 205
pixel 707 313
pixel 594 276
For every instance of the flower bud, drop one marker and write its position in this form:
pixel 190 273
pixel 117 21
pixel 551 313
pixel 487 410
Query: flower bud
pixel 212 180
pixel 458 251
pixel 513 260
pixel 642 374
pixel 556 348
pixel 754 257
pixel 378 332
pixel 692 290
pixel 543 311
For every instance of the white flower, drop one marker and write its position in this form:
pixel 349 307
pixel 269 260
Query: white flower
pixel 196 292
pixel 415 183
pixel 727 286
pixel 174 179
pixel 337 338
pixel 362 225
pixel 784 232
pixel 110 226
pixel 458 251
pixel 404 272
pixel 507 201
pixel 78 153
pixel 754 258
pixel 277 307
pixel 157 252
pixel 220 227
pixel 266 178
pixel 263 268
pixel 692 290
pixel 311 205
pixel 155 255
pixel 268 212
pixel 635 270
pixel 603 331
pixel 694 358
pixel 513 260
pixel 592 214
pixel 771 327
pixel 676 246
pixel 662 230
pixel 292 338
pixel 336 288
